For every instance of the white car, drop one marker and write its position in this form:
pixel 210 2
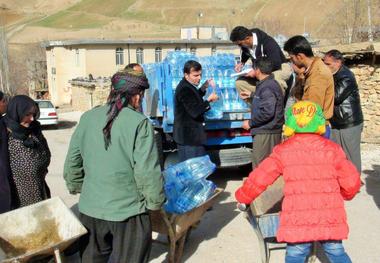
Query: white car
pixel 48 113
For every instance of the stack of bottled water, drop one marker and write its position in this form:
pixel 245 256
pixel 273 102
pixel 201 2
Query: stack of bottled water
pixel 175 61
pixel 220 67
pixel 186 186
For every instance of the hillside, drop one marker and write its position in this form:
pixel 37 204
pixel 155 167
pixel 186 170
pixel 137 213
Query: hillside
pixel 36 20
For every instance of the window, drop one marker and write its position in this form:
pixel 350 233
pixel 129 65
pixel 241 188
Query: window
pixel 177 49
pixel 140 55
pixel 77 57
pixel 158 54
pixel 213 50
pixel 193 50
pixel 44 104
pixel 119 56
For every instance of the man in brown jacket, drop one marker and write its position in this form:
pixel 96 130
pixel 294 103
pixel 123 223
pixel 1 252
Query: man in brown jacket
pixel 319 81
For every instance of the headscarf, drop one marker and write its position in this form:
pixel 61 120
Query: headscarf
pixel 18 107
pixel 304 117
pixel 125 84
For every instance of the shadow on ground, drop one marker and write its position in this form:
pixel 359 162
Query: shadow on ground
pixel 62 125
pixel 372 183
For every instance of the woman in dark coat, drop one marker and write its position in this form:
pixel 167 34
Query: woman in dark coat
pixel 24 156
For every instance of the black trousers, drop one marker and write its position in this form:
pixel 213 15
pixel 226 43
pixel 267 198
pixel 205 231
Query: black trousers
pixel 186 152
pixel 128 241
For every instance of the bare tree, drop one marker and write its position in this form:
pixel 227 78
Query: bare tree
pixel 349 23
pixel 28 70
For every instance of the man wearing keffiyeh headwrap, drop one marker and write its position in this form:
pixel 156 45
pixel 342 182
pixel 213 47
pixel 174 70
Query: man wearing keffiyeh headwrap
pixel 113 162
pixel 128 87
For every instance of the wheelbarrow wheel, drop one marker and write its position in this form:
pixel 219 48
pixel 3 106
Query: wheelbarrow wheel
pixel 188 234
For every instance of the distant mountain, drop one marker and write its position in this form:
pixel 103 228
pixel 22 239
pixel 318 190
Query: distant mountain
pixel 36 20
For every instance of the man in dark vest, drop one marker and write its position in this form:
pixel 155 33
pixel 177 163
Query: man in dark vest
pixel 255 43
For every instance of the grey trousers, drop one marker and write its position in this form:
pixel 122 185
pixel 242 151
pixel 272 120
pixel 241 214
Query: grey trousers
pixel 128 241
pixel 350 139
pixel 262 146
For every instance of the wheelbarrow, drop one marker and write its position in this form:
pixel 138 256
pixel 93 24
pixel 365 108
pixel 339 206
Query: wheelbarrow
pixel 36 231
pixel 177 227
pixel 263 215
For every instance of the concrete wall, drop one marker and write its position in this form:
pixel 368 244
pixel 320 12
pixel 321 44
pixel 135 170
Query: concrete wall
pixel 64 64
pixel 205 32
pixel 189 33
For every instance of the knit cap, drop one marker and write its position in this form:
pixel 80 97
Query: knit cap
pixel 304 117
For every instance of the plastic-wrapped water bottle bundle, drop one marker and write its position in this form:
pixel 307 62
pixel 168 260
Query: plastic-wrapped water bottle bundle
pixel 176 60
pixel 218 67
pixel 186 186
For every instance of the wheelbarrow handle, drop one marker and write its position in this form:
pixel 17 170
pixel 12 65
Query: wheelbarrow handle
pixel 242 207
pixel 57 255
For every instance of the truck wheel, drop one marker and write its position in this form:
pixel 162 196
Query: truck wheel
pixel 158 140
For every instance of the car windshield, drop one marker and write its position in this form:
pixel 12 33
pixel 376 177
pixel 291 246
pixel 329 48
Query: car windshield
pixel 45 104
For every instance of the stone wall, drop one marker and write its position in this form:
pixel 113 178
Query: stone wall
pixel 368 79
pixel 89 94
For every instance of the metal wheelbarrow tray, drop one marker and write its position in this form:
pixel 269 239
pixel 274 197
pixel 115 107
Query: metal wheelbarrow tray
pixel 263 215
pixel 177 226
pixel 38 230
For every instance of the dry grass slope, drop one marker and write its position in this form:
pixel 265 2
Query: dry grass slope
pixel 152 18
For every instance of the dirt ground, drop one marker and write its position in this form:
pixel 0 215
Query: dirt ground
pixel 223 234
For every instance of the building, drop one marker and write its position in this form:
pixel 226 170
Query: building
pixel 68 60
pixel 204 32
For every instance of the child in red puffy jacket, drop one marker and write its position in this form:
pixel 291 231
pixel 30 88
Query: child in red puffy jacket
pixel 318 178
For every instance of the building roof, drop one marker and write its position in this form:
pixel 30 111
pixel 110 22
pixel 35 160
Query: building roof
pixel 355 48
pixel 61 43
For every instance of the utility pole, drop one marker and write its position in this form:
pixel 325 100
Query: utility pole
pixel 4 53
pixel 370 34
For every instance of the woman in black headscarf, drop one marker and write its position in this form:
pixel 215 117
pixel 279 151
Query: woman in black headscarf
pixel 25 156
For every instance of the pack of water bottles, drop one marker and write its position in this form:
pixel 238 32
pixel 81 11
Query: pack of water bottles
pixel 186 186
pixel 218 67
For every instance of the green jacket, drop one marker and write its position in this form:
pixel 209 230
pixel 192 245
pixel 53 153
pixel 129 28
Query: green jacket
pixel 120 182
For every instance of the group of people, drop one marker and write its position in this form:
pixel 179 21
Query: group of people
pixel 113 161
pixel 312 102
pixel 322 99
pixel 326 82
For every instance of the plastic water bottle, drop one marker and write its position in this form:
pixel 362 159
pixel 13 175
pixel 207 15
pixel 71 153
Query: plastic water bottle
pixel 189 171
pixel 215 113
pixel 226 99
pixel 198 168
pixel 194 195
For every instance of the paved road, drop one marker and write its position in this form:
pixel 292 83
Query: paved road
pixel 223 234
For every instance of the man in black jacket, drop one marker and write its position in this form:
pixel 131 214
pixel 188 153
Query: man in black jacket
pixel 189 108
pixel 267 112
pixel 347 120
pixel 254 44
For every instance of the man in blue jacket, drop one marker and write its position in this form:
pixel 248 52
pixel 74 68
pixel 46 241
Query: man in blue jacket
pixel 267 112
